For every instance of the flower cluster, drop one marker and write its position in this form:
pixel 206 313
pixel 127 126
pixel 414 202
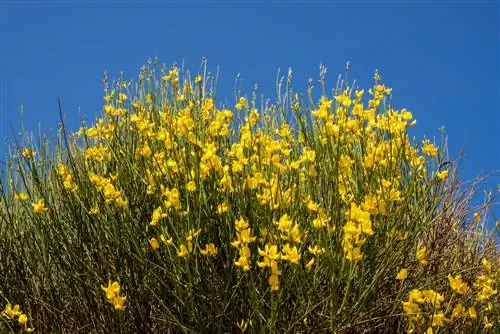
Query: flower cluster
pixel 243 239
pixel 113 296
pixel 430 308
pixel 13 312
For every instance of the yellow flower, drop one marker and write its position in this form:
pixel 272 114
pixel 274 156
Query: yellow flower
pixel 322 220
pixel 119 302
pixel 122 97
pixel 111 290
pixel 193 233
pixel 487 323
pixel 28 153
pixel 120 202
pixel 429 149
pixel 245 236
pixel 438 319
pixel 243 325
pixel 316 250
pixel 442 175
pixel 12 312
pixel 191 186
pixel 411 308
pixel 172 198
pixel 23 319
pixel 354 254
pixel 284 224
pixel 183 251
pixel 39 207
pixel 210 250
pixel 166 241
pixel 270 255
pixel 471 312
pixel 486 265
pixel 457 312
pixel 157 215
pixel 432 297
pixel 197 79
pixel 312 206
pixel 290 254
pixel 274 282
pixel 154 243
pixel 402 274
pixel 310 264
pixel 486 292
pixel 422 256
pixel 244 260
pixel 113 295
pixel 243 103
pixel 457 285
pixel 110 97
pixel 416 296
pixel 21 197
pixel 221 208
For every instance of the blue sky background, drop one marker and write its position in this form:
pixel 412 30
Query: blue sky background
pixel 440 58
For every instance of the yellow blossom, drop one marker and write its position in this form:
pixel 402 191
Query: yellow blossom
pixel 274 282
pixel 153 242
pixel 422 256
pixel 23 319
pixel 243 325
pixel 416 296
pixel 165 240
pixel 457 285
pixel 402 274
pixel 28 153
pixel 221 208
pixel 290 254
pixel 270 255
pixel 310 263
pixel 12 312
pixel 242 103
pixel 411 308
pixel 113 295
pixel 21 197
pixel 39 206
pixel 457 312
pixel 183 251
pixel 316 250
pixel 210 250
pixel 432 297
pixel 487 323
pixel 471 312
pixel 441 175
pixel 486 265
pixel 429 149
pixel 157 215
pixel 191 186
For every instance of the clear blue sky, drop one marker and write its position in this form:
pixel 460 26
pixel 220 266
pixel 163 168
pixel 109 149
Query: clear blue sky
pixel 440 58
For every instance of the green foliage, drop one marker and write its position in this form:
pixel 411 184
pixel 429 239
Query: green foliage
pixel 180 201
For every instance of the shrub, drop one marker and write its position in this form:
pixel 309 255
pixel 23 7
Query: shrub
pixel 173 213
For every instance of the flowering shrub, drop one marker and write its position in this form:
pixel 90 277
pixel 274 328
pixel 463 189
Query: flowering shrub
pixel 298 216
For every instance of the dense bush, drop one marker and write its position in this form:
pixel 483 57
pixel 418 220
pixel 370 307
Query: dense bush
pixel 173 213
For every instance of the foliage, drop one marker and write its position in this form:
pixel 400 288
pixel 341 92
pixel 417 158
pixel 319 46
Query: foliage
pixel 172 213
